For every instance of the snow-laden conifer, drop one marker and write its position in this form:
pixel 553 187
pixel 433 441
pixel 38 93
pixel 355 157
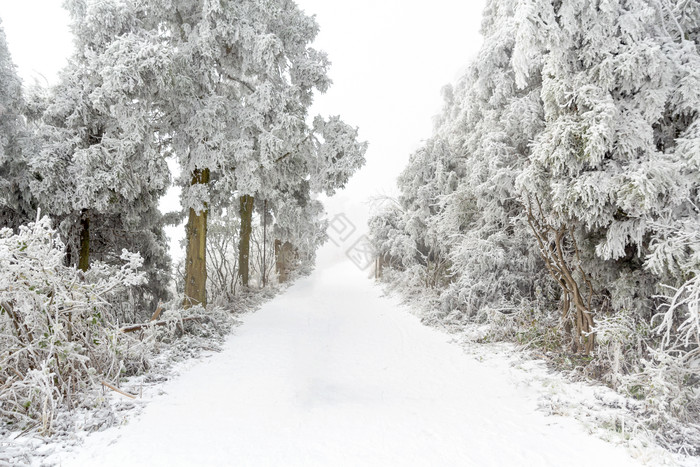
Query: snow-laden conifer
pixel 16 205
pixel 97 163
pixel 572 142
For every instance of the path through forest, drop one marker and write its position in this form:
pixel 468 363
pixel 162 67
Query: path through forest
pixel 331 373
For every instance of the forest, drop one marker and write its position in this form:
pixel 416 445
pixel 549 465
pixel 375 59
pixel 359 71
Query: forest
pixel 220 93
pixel 558 199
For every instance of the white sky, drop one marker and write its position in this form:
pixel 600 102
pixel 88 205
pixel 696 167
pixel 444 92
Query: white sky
pixel 38 37
pixel 390 60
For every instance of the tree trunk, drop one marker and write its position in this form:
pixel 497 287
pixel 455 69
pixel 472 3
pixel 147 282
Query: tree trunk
pixel 284 256
pixel 278 258
pixel 379 266
pixel 264 262
pixel 84 259
pixel 196 260
pixel 244 242
pixel 563 261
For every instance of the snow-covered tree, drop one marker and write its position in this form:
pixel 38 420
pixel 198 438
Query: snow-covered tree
pixel 234 83
pixel 497 114
pixel 300 221
pixel 97 165
pixel 459 202
pixel 15 200
pixel 327 154
pixel 620 95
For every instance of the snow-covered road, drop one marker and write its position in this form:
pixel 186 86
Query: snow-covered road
pixel 331 373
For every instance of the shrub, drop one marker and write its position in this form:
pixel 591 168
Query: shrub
pixel 58 331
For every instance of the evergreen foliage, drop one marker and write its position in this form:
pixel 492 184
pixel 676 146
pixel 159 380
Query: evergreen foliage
pixel 564 169
pixel 16 204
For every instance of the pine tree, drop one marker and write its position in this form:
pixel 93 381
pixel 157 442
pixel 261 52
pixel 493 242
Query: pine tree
pixel 16 206
pixel 97 166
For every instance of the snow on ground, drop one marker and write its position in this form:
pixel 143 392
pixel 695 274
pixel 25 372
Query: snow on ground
pixel 332 373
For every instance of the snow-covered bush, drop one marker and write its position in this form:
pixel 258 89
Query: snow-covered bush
pixel 669 378
pixel 676 259
pixel 680 323
pixel 58 333
pixel 670 389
